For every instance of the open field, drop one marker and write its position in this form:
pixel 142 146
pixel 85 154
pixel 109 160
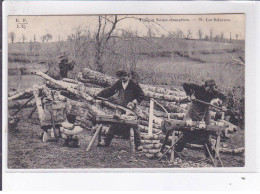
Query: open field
pixel 159 64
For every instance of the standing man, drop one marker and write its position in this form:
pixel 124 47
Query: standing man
pixel 65 65
pixel 198 111
pixel 129 94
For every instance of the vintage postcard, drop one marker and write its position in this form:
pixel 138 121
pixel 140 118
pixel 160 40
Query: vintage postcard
pixel 126 91
pixel 124 95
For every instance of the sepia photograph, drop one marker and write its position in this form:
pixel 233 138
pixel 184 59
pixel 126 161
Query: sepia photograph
pixel 126 91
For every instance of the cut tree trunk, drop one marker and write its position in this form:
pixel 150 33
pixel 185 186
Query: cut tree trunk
pixel 150 91
pixel 19 103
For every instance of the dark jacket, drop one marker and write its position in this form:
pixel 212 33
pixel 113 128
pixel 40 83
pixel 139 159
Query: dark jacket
pixel 132 91
pixel 65 66
pixel 198 111
pixel 201 93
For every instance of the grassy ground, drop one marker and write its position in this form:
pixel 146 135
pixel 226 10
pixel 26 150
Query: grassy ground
pixel 26 151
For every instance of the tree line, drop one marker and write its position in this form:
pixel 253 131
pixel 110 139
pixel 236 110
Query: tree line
pixel 23 38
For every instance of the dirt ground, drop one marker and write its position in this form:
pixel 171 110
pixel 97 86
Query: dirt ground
pixel 26 151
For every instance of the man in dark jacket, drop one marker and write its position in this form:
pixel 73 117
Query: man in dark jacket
pixel 129 94
pixel 65 65
pixel 198 111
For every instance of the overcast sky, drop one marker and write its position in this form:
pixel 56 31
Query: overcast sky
pixel 160 24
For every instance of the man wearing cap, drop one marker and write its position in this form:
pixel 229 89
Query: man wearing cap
pixel 65 66
pixel 198 111
pixel 129 94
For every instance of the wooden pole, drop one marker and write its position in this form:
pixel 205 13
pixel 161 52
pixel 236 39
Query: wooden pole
pixel 150 127
pixel 39 105
pixel 132 143
pixel 94 137
pixel 217 150
pixel 31 113
pixel 19 109
pixel 173 143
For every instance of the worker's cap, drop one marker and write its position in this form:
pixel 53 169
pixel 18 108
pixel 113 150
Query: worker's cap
pixel 121 73
pixel 210 83
pixel 64 55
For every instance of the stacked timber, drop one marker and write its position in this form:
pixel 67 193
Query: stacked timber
pixel 89 83
pixel 151 145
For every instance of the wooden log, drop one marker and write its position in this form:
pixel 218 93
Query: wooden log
pixel 123 119
pixel 25 94
pixel 78 90
pixel 145 129
pixel 164 114
pixel 166 97
pixel 153 136
pixel 107 80
pixel 145 123
pixel 145 141
pixel 12 93
pixel 169 106
pixel 235 151
pixel 70 81
pixel 18 103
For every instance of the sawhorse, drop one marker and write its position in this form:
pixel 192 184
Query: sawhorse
pixel 108 119
pixel 173 126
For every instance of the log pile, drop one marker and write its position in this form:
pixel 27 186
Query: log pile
pixel 151 145
pixel 90 82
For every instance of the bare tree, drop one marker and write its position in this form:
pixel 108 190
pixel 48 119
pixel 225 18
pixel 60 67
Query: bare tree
pixel 12 36
pixel 48 37
pixel 23 38
pixel 179 34
pixel 78 40
pixel 34 38
pixel 211 34
pixel 200 34
pixel 217 38
pixel 149 32
pixel 222 36
pixel 106 26
pixel 236 36
pixel 43 38
pixel 189 35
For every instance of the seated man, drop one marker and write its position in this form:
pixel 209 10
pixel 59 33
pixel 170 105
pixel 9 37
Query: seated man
pixel 198 111
pixel 65 65
pixel 129 94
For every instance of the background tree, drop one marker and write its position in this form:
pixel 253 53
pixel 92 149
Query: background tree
pixel 221 36
pixel 189 35
pixel 236 36
pixel 12 36
pixel 43 38
pixel 106 26
pixel 211 34
pixel 200 34
pixel 23 38
pixel 179 34
pixel 48 37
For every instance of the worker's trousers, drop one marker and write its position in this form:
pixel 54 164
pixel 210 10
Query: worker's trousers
pixel 122 130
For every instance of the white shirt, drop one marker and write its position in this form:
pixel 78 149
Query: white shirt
pixel 125 84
